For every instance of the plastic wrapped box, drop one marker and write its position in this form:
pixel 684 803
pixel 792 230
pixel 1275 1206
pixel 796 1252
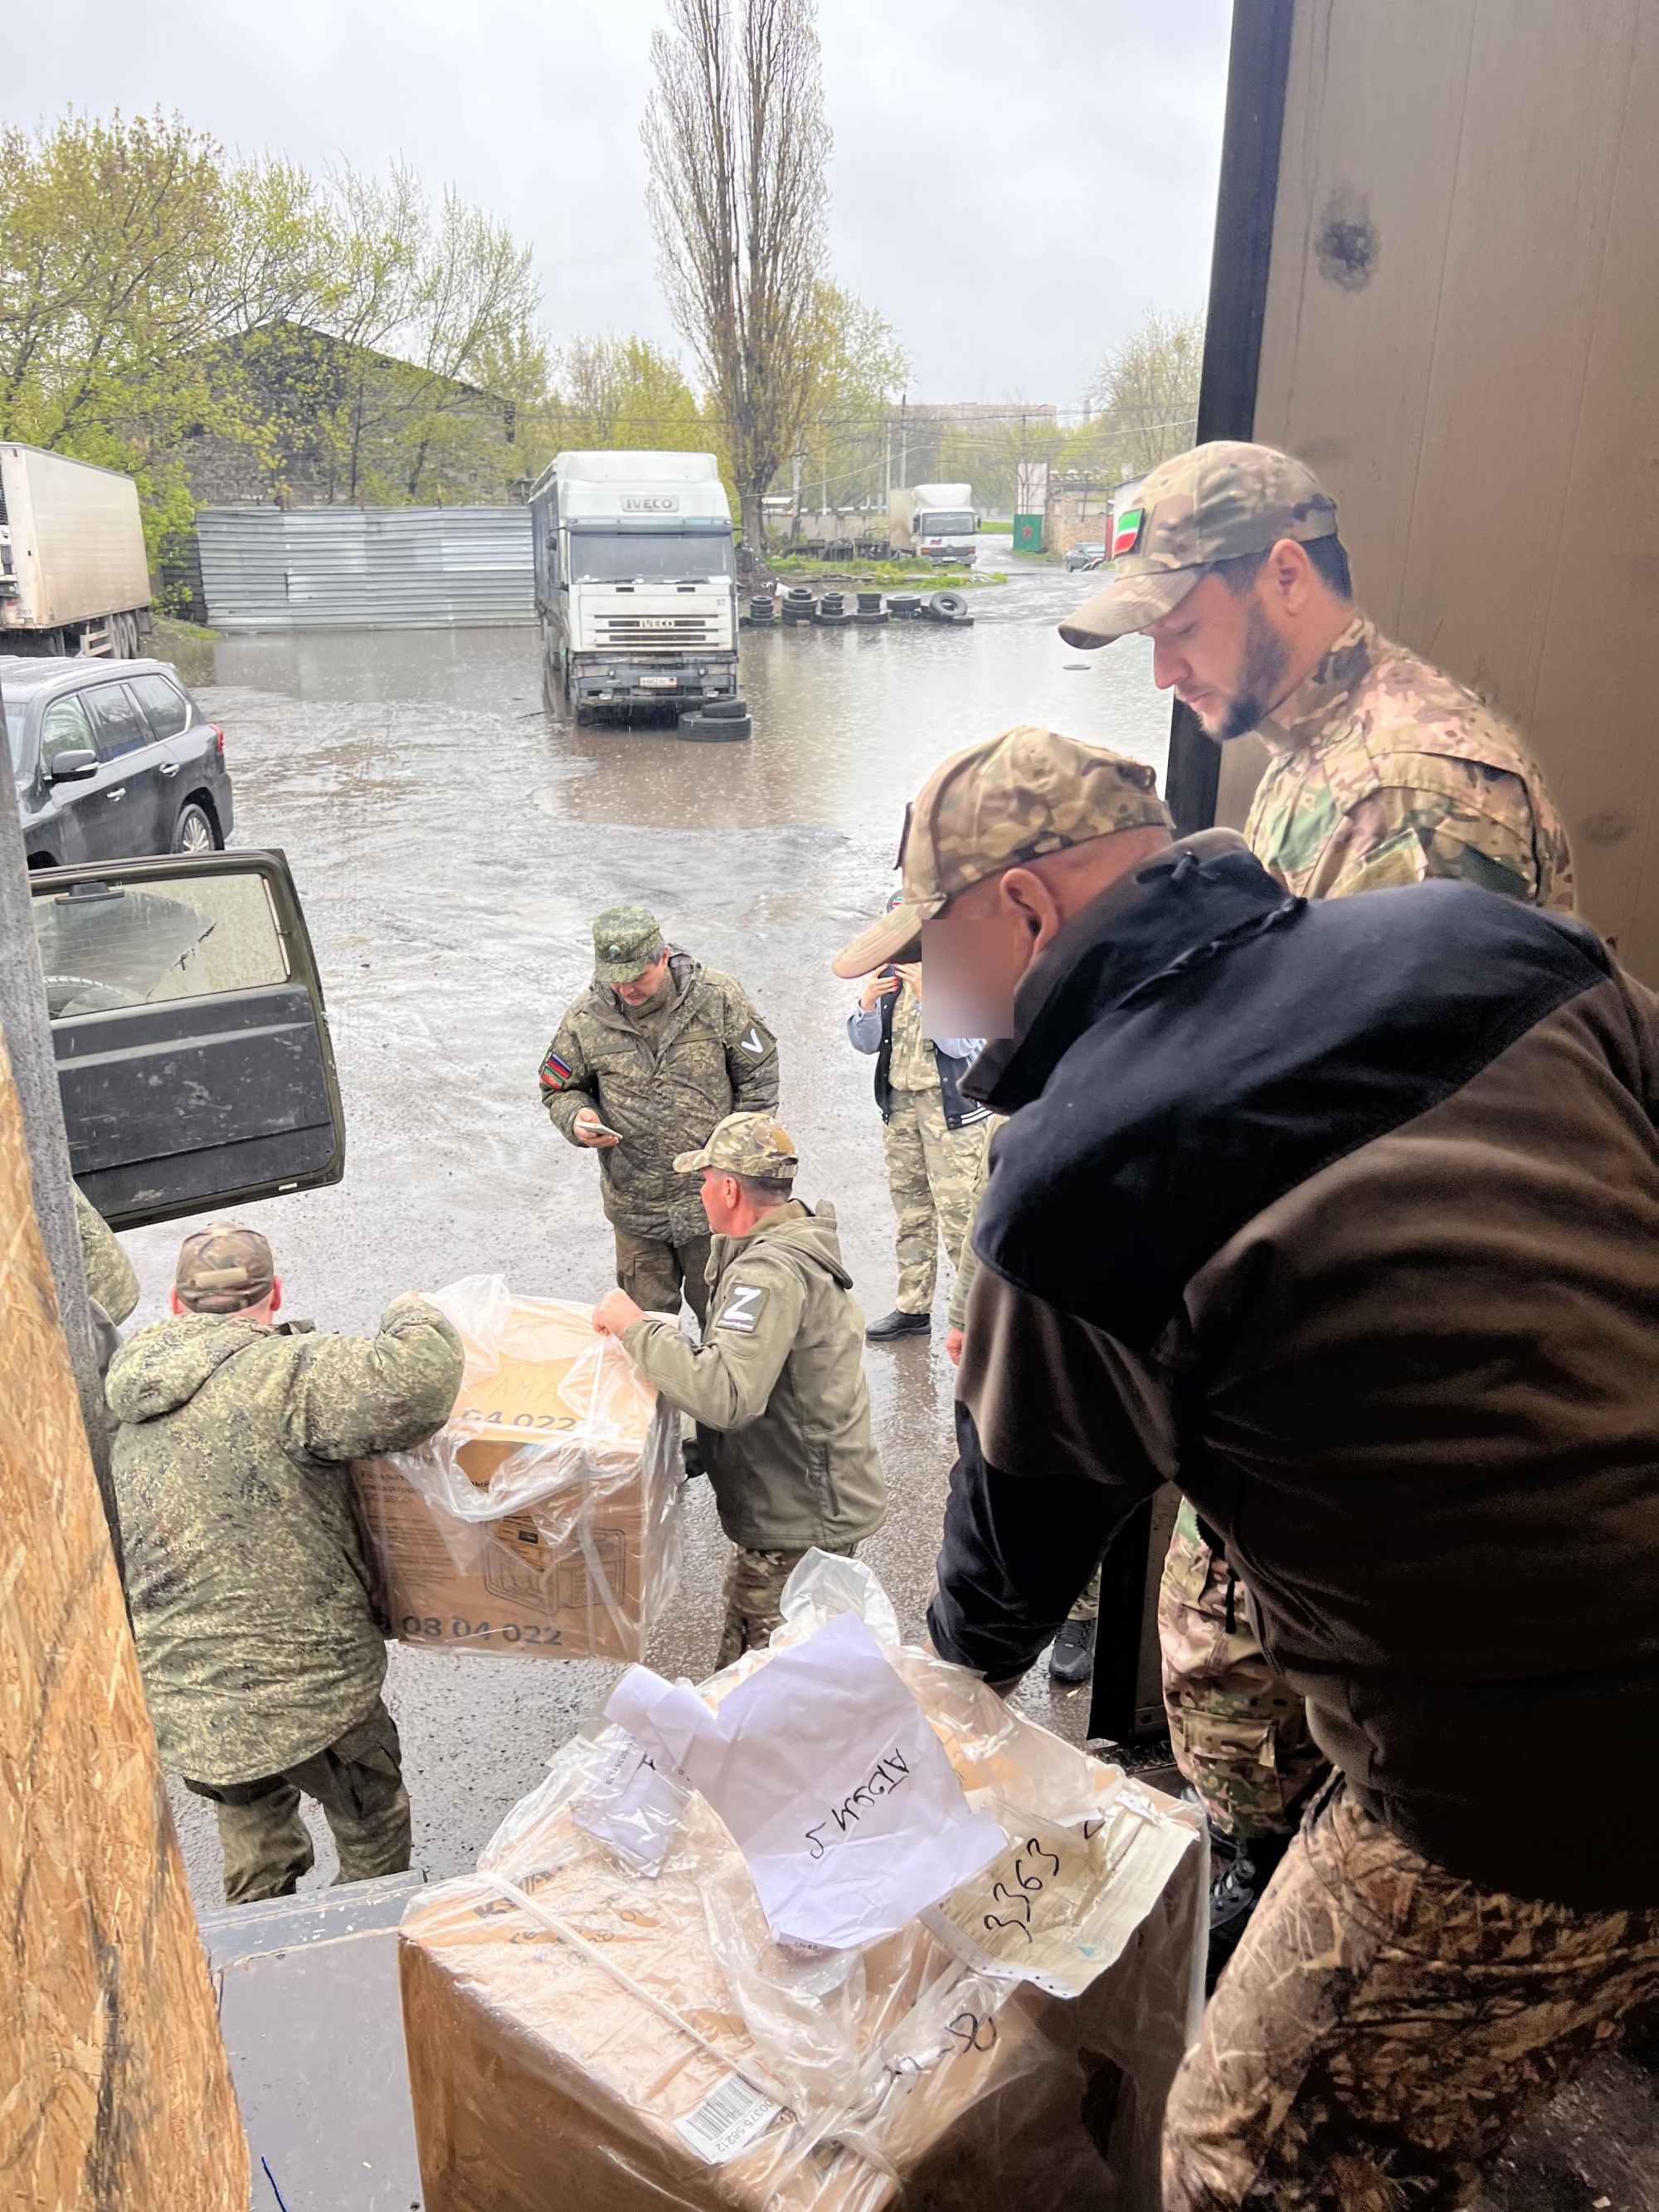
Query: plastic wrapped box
pixel 581 2033
pixel 542 1518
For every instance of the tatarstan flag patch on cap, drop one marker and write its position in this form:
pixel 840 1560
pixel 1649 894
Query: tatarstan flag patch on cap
pixel 1127 529
pixel 554 1073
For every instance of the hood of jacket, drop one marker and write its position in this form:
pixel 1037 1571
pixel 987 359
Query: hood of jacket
pixel 162 1367
pixel 810 1231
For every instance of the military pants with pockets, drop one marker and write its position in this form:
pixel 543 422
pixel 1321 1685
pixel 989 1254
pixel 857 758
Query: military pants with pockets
pixel 754 1597
pixel 357 1780
pixel 654 1271
pixel 931 1170
pixel 1238 1732
pixel 1383 2026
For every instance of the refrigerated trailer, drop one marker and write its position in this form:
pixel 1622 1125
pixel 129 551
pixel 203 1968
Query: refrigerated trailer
pixel 73 577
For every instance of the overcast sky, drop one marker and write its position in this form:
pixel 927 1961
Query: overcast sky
pixel 1014 182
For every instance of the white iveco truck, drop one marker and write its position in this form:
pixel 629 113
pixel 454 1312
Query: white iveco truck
pixel 636 580
pixel 936 522
pixel 73 574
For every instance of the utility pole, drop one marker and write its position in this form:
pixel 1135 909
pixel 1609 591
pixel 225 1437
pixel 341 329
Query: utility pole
pixel 794 528
pixel 904 441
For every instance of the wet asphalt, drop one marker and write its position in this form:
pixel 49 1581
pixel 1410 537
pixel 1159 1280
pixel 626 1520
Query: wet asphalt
pixel 451 841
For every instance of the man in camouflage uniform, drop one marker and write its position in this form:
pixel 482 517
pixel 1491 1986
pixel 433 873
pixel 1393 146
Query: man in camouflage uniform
pixel 261 1656
pixel 646 1061
pixel 1383 771
pixel 777 1386
pixel 933 1138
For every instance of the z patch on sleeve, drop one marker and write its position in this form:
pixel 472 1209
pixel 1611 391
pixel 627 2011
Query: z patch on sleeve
pixel 554 1073
pixel 743 1308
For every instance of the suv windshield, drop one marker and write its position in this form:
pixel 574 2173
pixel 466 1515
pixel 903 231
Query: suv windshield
pixel 603 556
pixel 955 524
pixel 15 736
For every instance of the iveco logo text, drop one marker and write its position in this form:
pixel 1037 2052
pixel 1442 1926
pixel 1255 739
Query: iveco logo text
pixel 649 503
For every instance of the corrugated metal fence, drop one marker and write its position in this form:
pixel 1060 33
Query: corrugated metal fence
pixel 377 568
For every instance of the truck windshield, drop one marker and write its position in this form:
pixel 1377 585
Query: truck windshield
pixel 611 557
pixel 955 524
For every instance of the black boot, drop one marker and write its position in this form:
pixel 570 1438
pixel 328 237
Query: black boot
pixel 1240 1873
pixel 898 1323
pixel 1071 1660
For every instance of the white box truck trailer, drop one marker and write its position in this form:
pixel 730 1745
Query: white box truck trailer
pixel 636 580
pixel 935 522
pixel 73 574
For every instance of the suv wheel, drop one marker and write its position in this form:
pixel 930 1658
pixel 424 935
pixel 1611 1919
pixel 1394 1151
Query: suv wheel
pixel 195 831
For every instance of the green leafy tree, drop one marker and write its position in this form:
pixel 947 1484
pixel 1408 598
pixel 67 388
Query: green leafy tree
pixel 1144 395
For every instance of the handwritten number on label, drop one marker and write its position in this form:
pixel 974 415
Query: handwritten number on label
pixel 1015 1903
pixel 974 2031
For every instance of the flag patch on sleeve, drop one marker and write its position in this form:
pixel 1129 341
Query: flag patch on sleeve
pixel 554 1073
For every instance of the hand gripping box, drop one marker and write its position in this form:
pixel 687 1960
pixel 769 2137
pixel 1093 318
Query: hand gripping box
pixel 541 1519
pixel 583 2033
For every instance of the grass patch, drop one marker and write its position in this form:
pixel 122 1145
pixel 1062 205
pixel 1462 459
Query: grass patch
pixel 167 629
pixel 878 575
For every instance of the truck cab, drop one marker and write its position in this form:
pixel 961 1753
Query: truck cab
pixel 636 580
pixel 935 522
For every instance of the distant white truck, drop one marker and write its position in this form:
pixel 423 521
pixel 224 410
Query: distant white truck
pixel 933 522
pixel 73 574
pixel 636 580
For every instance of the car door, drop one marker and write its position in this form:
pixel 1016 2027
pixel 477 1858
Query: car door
pixel 180 737
pixel 129 762
pixel 78 824
pixel 194 1062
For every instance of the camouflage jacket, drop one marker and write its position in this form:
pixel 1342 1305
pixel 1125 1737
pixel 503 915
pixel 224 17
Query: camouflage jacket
pixel 780 1377
pixel 109 1272
pixel 244 1569
pixel 713 1056
pixel 1386 771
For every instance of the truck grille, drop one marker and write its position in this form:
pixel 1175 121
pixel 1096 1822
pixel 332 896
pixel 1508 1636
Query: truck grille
pixel 643 632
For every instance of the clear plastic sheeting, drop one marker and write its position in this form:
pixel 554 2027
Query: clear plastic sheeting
pixel 582 2031
pixel 542 1519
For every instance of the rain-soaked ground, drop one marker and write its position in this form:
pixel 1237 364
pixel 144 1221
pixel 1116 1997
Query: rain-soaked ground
pixel 451 842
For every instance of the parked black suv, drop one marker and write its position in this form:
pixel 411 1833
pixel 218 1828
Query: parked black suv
pixel 113 759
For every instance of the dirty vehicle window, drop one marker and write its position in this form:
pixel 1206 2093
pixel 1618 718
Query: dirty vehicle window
pixel 169 712
pixel 612 557
pixel 104 945
pixel 63 730
pixel 121 728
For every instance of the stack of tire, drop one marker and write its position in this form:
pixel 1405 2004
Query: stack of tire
pixel 718 722
pixel 797 604
pixel 761 612
pixel 832 608
pixel 870 608
pixel 904 606
pixel 946 607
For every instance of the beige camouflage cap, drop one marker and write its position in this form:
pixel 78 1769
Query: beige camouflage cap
pixel 745 1144
pixel 224 1268
pixel 626 940
pixel 1209 504
pixel 1010 799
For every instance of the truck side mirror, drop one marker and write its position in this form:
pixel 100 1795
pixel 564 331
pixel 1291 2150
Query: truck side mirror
pixel 194 1060
pixel 73 765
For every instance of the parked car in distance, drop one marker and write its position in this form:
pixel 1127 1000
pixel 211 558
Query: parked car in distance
pixel 113 759
pixel 1085 557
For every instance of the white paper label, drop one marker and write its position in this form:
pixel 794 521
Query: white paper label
pixel 635 1802
pixel 727 2121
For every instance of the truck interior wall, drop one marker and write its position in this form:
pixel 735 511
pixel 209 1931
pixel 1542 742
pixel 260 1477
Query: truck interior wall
pixel 117 2090
pixel 1461 337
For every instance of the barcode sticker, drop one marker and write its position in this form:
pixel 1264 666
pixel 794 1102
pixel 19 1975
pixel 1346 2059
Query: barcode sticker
pixel 727 2121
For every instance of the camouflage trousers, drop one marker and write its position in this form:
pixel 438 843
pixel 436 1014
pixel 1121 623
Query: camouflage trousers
pixel 1383 2026
pixel 754 1595
pixel 930 1171
pixel 654 1271
pixel 1239 1734
pixel 357 1780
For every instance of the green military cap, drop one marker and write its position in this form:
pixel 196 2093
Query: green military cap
pixel 745 1144
pixel 223 1269
pixel 1008 800
pixel 1212 503
pixel 626 940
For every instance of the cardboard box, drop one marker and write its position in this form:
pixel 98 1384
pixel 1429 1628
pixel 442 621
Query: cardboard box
pixel 578 2033
pixel 540 1521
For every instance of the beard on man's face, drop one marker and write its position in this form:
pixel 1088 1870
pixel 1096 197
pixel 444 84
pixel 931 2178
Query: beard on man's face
pixel 1261 674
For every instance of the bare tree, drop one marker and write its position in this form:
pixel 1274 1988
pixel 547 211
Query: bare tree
pixel 737 140
pixel 1145 392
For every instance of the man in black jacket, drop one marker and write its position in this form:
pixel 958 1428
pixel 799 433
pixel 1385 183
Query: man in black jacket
pixel 1345 1215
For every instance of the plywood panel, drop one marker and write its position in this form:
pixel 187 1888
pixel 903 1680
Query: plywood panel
pixel 115 2090
pixel 1462 338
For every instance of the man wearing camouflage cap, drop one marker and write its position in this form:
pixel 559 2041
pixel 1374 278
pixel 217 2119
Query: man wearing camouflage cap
pixel 261 1656
pixel 1341 1214
pixel 645 1063
pixel 776 1386
pixel 1382 771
